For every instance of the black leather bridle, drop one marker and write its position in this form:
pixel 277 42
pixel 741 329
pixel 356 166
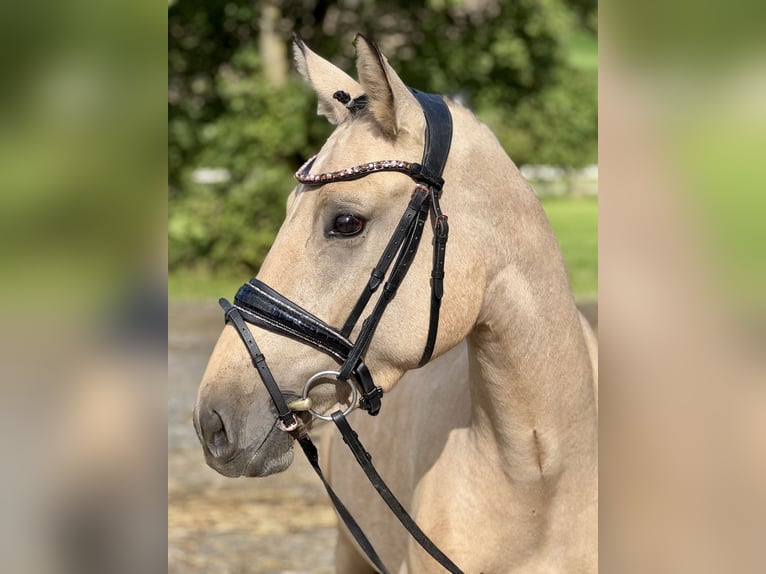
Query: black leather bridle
pixel 259 304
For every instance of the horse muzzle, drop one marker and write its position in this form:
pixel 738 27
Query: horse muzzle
pixel 241 448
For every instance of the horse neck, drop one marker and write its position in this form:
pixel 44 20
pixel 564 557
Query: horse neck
pixel 533 399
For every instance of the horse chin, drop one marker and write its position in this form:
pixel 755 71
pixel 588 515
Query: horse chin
pixel 273 456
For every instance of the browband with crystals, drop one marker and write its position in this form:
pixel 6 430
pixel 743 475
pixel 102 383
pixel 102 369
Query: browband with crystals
pixel 415 170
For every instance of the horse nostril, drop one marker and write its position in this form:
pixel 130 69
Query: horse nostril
pixel 214 435
pixel 220 440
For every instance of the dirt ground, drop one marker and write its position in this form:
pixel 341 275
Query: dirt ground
pixel 283 524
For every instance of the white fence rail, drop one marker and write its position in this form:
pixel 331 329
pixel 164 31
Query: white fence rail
pixel 553 180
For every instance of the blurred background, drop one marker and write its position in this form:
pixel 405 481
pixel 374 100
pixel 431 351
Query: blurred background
pixel 682 286
pixel 83 307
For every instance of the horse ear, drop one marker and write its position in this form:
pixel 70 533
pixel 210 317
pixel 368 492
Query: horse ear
pixel 326 79
pixel 390 101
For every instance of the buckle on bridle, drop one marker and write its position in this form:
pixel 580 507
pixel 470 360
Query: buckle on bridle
pixel 289 427
pixel 370 398
pixel 421 188
pixel 441 227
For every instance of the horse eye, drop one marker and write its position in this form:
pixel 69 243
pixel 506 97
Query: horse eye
pixel 347 225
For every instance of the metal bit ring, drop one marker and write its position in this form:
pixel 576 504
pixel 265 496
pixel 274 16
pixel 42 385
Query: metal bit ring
pixel 324 375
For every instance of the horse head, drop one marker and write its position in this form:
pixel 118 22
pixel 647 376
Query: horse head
pixel 332 236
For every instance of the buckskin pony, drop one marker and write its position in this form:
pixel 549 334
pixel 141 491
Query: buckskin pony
pixel 491 446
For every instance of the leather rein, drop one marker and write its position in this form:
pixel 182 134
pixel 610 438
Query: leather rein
pixel 259 304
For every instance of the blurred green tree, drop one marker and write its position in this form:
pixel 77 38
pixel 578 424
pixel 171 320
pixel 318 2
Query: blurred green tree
pixel 233 107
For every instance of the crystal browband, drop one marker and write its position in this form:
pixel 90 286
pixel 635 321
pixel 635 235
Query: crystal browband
pixel 414 170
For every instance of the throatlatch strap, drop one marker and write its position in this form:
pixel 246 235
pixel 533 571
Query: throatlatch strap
pixel 365 461
pixel 435 153
pixel 441 233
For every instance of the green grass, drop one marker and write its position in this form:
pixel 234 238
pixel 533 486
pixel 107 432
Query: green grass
pixel 575 222
pixel 193 285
